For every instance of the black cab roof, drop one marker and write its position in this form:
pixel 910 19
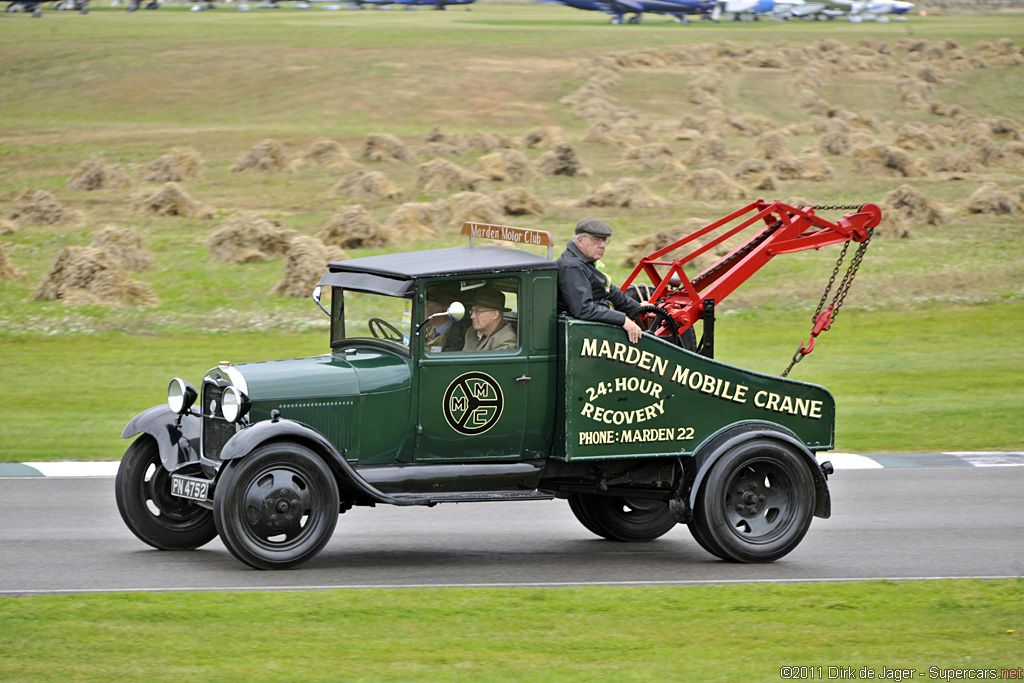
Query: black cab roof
pixel 395 274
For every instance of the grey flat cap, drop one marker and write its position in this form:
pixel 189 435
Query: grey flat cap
pixel 594 227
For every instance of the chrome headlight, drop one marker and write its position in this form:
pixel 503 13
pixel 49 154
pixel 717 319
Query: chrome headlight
pixel 181 395
pixel 234 404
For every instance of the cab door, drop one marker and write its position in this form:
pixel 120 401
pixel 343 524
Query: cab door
pixel 473 405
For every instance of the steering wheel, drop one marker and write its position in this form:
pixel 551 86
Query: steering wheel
pixel 382 329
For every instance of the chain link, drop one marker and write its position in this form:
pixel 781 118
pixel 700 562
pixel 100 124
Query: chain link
pixel 844 285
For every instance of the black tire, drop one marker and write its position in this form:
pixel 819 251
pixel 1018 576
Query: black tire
pixel 580 511
pixel 622 519
pixel 700 532
pixel 142 489
pixel 276 507
pixel 757 502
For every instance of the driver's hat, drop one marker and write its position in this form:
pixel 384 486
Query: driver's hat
pixel 592 226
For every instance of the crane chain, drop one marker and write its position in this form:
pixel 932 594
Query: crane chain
pixel 841 291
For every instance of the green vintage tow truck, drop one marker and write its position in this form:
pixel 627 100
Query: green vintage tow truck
pixel 637 437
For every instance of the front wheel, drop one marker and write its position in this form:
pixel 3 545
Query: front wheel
pixel 757 502
pixel 622 519
pixel 277 507
pixel 142 489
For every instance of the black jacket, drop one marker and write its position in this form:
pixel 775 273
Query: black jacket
pixel 583 290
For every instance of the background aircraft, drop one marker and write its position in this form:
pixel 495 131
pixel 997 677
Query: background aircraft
pixel 678 9
pixel 413 4
pixel 868 10
pixel 36 6
pixel 752 10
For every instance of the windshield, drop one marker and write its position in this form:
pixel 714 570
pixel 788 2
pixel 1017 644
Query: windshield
pixel 363 316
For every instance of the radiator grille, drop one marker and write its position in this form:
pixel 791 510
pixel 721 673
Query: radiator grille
pixel 216 430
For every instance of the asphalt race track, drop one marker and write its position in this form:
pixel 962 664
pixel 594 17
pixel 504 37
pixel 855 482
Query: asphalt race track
pixel 63 535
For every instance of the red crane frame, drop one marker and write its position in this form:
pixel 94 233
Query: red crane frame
pixel 788 229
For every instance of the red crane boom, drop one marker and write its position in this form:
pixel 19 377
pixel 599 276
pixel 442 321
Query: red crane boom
pixel 787 229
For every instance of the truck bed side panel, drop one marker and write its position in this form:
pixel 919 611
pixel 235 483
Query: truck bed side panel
pixel 656 399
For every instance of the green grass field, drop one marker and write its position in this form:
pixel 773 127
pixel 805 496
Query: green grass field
pixel 712 633
pixel 925 356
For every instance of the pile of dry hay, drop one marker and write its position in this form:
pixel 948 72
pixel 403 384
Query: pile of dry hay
pixel 89 275
pixel 426 219
pixel 36 207
pixel 415 219
pixel 835 142
pixel 906 207
pixel 912 205
pixel 169 200
pixel 438 143
pixel 508 164
pixel 325 152
pixel 710 149
pixel 353 226
pixel 810 167
pixel 770 145
pixel 519 201
pixel 952 162
pixel 366 185
pixel 384 147
pixel 474 207
pixel 625 193
pixel 267 156
pixel 306 261
pixel 990 199
pixel 547 137
pixel 181 164
pixel 125 246
pixel 639 247
pixel 9 271
pixel 561 160
pixel 885 160
pixel 441 175
pixel 95 174
pixel 623 132
pixel 249 239
pixel 708 184
pixel 755 174
pixel 914 136
pixel 491 142
pixel 656 155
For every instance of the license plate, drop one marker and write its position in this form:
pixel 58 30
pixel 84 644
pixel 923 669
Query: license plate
pixel 189 487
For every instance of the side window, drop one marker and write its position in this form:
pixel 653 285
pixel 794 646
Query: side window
pixel 491 322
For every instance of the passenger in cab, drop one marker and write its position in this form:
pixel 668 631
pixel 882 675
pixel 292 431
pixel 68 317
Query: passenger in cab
pixel 490 331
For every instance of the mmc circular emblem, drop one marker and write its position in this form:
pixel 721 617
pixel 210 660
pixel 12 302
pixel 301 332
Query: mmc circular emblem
pixel 473 403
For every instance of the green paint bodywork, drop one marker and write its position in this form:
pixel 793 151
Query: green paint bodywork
pixel 655 399
pixel 572 391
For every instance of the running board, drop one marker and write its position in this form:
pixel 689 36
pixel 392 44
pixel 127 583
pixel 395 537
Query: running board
pixel 467 497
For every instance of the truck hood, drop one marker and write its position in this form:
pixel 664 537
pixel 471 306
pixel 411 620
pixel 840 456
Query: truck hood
pixel 353 372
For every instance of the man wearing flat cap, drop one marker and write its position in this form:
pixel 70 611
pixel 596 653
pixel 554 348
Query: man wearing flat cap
pixel 585 292
pixel 490 332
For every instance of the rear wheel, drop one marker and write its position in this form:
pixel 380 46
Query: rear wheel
pixel 757 502
pixel 622 519
pixel 142 489
pixel 277 507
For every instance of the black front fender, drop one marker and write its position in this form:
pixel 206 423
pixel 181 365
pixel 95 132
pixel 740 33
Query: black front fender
pixel 349 481
pixel 178 440
pixel 709 453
